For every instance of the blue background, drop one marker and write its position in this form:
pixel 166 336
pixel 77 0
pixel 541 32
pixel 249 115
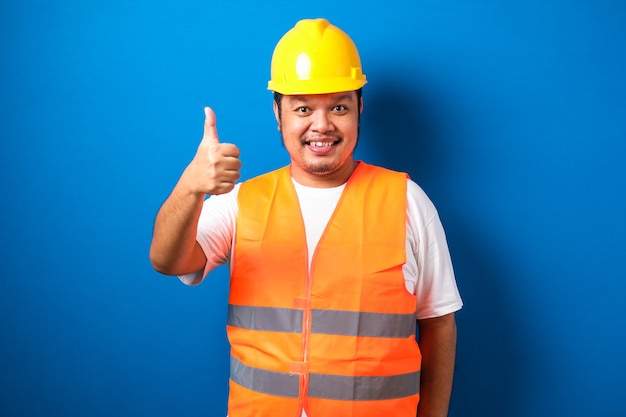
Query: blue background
pixel 511 115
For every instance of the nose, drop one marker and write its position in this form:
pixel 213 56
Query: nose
pixel 321 122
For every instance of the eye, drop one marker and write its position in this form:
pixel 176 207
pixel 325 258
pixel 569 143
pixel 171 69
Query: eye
pixel 303 110
pixel 340 108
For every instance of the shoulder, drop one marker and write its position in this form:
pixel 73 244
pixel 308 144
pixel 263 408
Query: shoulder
pixel 379 171
pixel 416 193
pixel 268 178
pixel 222 203
pixel 420 208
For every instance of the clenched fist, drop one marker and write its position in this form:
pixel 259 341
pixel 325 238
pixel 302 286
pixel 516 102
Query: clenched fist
pixel 215 167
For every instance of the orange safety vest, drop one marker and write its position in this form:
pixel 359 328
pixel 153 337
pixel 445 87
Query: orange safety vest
pixel 338 340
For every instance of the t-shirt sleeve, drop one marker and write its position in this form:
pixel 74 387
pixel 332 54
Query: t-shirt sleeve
pixel 216 227
pixel 436 289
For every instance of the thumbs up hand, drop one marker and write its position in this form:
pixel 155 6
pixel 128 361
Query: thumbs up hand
pixel 215 167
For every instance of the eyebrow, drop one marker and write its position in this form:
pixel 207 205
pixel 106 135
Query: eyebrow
pixel 303 99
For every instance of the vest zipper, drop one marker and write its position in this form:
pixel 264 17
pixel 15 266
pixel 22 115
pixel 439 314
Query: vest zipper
pixel 307 332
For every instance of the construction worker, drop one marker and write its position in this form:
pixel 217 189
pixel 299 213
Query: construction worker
pixel 332 260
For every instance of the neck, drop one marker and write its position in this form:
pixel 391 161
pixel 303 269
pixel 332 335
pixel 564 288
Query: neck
pixel 324 180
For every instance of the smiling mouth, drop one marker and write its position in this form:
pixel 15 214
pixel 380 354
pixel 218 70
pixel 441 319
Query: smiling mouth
pixel 321 147
pixel 321 144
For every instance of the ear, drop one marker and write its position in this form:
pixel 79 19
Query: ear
pixel 277 114
pixel 361 105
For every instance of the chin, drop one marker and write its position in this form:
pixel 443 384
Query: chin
pixel 319 168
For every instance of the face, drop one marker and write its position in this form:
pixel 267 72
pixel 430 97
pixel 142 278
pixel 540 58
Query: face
pixel 320 133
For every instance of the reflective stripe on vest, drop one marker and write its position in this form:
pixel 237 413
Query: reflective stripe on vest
pixel 332 387
pixel 346 323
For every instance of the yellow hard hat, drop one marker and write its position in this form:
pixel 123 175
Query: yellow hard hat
pixel 315 57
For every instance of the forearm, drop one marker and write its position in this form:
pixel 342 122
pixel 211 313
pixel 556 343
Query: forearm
pixel 174 250
pixel 213 171
pixel 437 340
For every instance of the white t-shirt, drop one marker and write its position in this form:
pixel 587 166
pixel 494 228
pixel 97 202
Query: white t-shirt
pixel 428 271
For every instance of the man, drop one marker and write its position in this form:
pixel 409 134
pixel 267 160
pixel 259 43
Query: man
pixel 332 259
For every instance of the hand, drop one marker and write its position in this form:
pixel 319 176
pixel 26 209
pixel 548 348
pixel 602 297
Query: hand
pixel 215 168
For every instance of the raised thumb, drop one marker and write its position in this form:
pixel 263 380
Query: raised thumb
pixel 210 129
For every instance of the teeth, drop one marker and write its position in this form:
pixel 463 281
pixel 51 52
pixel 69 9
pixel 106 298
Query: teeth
pixel 321 144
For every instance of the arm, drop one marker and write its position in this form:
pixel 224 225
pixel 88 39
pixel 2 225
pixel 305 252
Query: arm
pixel 214 170
pixel 437 341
